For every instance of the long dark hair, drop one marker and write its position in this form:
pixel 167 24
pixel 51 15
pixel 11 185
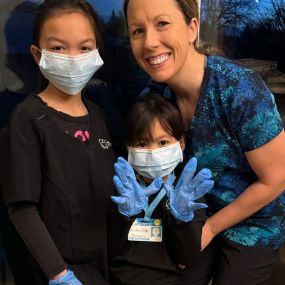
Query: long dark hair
pixel 51 7
pixel 145 111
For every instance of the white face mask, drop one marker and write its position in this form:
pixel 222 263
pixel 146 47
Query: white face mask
pixel 155 163
pixel 69 73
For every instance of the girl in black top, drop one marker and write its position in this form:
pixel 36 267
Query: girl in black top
pixel 56 154
pixel 165 236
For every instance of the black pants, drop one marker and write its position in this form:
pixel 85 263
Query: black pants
pixel 228 263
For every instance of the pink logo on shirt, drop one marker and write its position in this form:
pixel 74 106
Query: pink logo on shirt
pixel 84 136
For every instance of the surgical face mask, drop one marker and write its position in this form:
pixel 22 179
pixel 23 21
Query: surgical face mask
pixel 155 163
pixel 69 73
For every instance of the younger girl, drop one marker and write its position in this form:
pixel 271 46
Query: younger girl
pixel 56 154
pixel 165 233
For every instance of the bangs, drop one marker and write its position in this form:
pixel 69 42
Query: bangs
pixel 146 111
pixel 139 129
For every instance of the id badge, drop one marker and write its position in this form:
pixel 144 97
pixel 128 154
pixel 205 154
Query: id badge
pixel 150 231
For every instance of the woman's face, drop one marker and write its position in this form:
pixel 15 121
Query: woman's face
pixel 160 37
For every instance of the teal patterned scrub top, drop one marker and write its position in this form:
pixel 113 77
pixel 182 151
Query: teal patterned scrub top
pixel 235 113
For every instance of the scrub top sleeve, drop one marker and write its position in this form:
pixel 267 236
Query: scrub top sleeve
pixel 21 161
pixel 253 113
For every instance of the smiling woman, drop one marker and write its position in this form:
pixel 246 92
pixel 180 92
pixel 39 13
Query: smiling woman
pixel 233 128
pixel 154 41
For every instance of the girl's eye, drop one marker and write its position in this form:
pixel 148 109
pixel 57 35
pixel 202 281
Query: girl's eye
pixel 57 48
pixel 163 143
pixel 86 49
pixel 162 24
pixel 141 144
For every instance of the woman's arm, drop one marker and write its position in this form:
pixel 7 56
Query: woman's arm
pixel 268 162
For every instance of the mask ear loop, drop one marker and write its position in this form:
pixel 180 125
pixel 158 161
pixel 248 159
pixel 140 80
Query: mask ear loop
pixel 38 49
pixel 36 52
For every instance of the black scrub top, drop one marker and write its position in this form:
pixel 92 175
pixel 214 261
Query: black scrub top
pixel 156 263
pixel 70 181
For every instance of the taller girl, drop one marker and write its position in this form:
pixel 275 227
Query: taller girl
pixel 57 156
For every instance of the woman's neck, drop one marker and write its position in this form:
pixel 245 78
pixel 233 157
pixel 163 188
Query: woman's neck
pixel 187 85
pixel 188 81
pixel 60 101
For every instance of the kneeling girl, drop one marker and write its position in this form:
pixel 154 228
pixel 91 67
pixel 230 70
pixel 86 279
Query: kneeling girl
pixel 166 233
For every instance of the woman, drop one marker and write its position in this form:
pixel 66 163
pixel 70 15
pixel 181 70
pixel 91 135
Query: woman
pixel 234 129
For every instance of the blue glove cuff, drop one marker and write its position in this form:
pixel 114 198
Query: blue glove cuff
pixel 128 213
pixel 65 278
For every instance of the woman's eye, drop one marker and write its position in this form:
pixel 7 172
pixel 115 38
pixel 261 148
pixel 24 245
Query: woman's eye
pixel 162 24
pixel 137 31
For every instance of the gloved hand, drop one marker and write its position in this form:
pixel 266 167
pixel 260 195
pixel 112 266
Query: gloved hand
pixel 188 189
pixel 134 198
pixel 68 279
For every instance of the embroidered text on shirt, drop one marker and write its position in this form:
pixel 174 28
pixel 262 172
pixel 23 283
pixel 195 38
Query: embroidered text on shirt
pixel 105 144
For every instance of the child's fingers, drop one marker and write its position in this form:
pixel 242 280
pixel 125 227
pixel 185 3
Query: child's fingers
pixel 187 173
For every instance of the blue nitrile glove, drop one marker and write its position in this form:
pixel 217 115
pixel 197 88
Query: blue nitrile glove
pixel 134 198
pixel 67 279
pixel 188 189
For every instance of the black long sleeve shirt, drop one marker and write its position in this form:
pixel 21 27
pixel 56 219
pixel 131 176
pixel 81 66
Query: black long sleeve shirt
pixel 58 189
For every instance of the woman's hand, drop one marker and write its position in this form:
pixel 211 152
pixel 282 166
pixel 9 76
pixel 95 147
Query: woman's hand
pixel 207 235
pixel 268 162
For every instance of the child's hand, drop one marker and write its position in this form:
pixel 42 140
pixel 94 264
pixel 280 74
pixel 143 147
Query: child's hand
pixel 67 279
pixel 133 198
pixel 188 189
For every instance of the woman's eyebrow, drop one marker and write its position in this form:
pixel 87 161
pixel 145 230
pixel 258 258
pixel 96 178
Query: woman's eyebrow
pixel 155 18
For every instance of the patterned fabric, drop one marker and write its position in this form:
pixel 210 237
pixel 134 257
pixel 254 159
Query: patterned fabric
pixel 235 113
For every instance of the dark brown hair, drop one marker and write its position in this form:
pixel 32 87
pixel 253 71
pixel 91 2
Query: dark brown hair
pixel 145 111
pixel 50 8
